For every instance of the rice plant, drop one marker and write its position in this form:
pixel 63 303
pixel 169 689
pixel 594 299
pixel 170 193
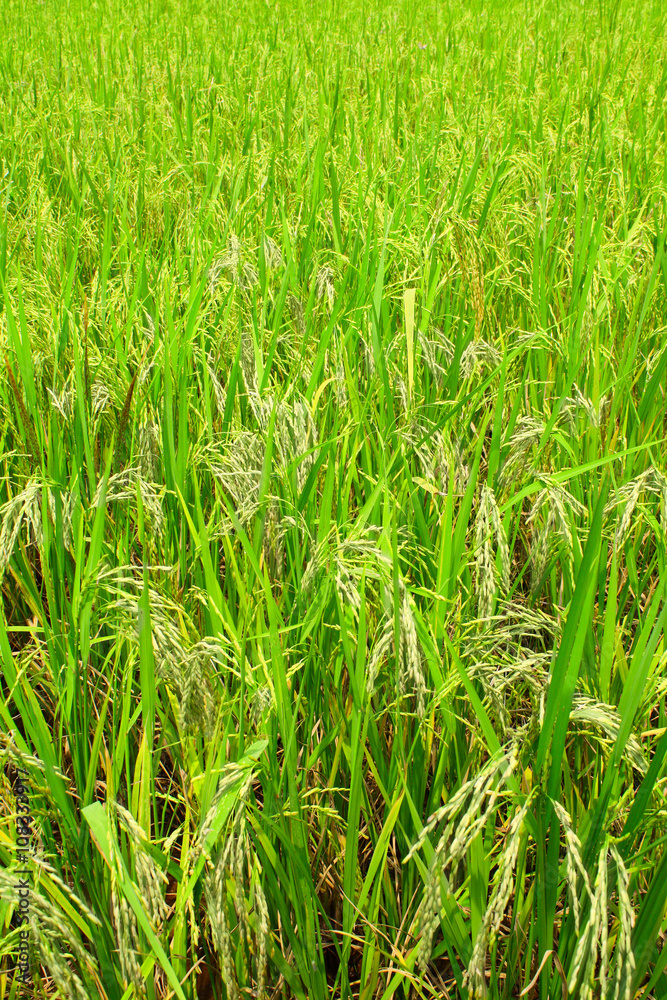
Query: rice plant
pixel 333 500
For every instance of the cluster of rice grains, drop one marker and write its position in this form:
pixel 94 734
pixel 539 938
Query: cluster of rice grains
pixel 150 882
pixel 236 859
pixel 461 818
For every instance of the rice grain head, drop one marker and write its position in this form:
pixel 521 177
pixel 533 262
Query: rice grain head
pixel 55 940
pixel 412 672
pixel 325 286
pixel 489 526
pixel 122 486
pixel 150 879
pixel 560 505
pixel 125 924
pixel 236 856
pixel 462 817
pixel 575 865
pixel 24 508
pixel 651 480
pixel 475 975
pixel 272 253
pixel 526 437
pixel 625 961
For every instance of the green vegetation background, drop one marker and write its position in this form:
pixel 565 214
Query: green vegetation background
pixel 333 494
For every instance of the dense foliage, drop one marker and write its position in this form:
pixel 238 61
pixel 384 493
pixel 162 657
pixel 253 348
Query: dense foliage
pixel 333 497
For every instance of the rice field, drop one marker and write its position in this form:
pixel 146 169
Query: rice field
pixel 333 499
